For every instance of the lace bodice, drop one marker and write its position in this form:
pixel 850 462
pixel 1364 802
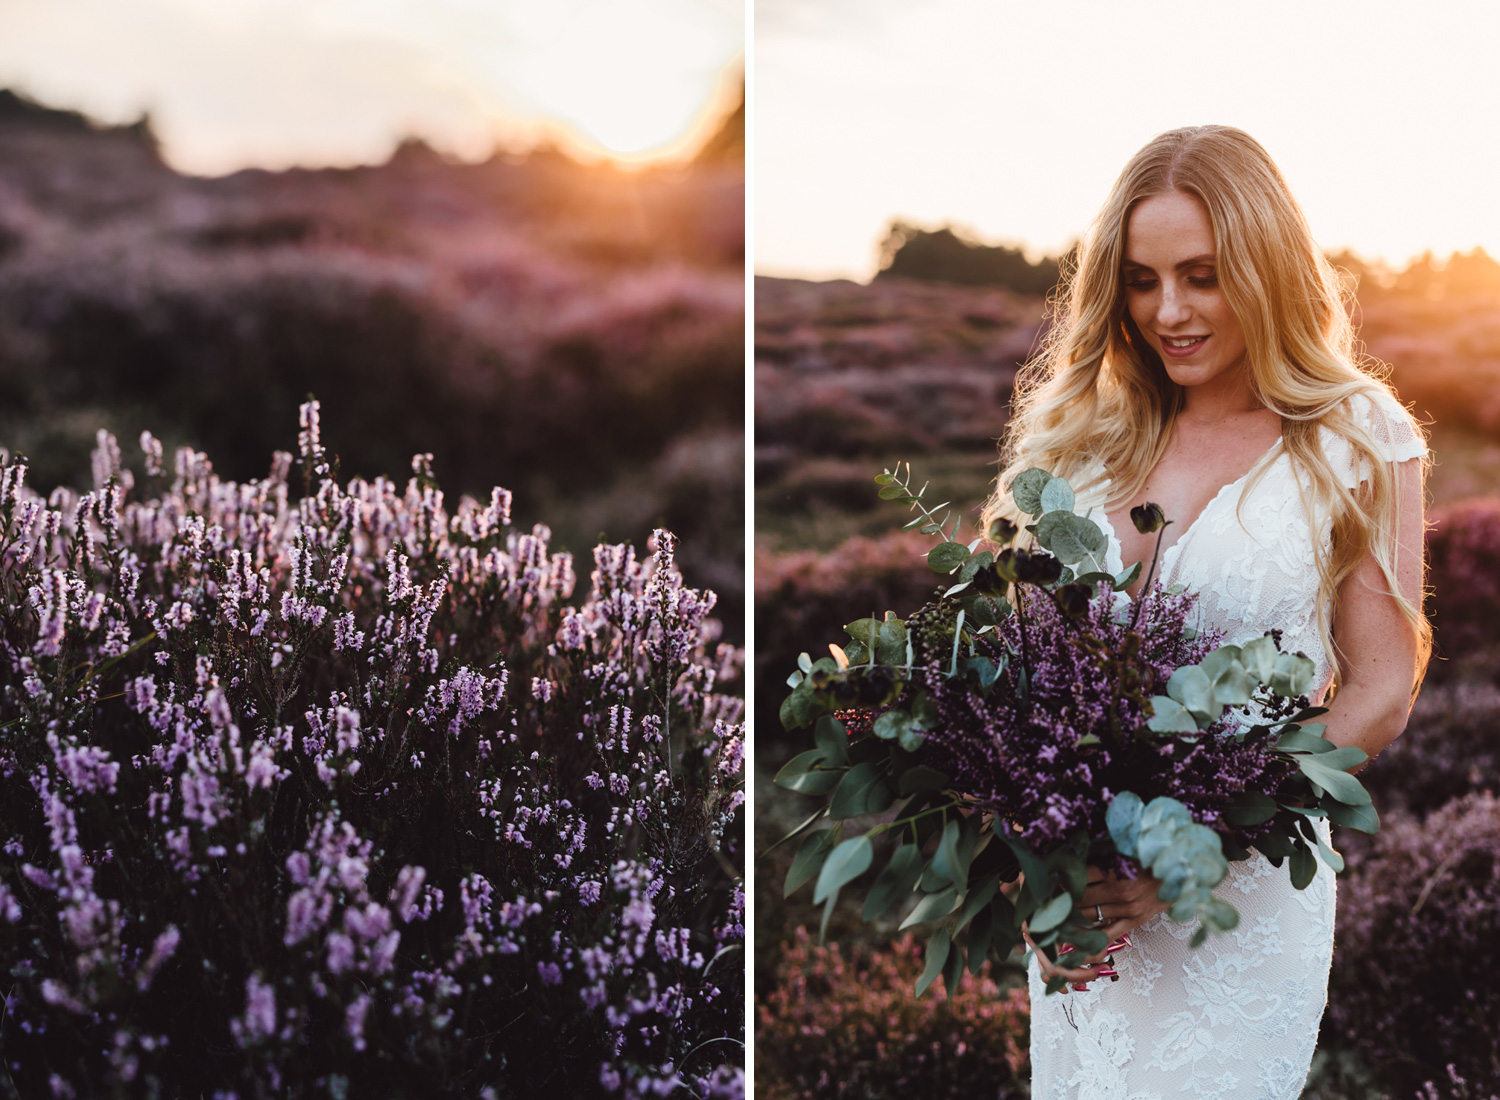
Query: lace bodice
pixel 1236 1019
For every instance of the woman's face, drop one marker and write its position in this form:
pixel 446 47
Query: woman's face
pixel 1172 291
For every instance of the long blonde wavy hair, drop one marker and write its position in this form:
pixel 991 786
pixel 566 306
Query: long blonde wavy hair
pixel 1097 393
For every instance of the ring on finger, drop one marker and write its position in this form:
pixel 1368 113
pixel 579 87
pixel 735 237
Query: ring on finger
pixel 1099 914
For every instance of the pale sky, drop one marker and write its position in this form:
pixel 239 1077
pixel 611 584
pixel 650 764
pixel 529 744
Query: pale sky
pixel 1013 119
pixel 272 83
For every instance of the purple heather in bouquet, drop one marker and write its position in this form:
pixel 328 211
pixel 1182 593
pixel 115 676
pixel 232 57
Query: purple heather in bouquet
pixel 1031 718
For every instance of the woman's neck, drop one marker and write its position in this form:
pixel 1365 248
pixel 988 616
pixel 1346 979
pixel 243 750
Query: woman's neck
pixel 1218 401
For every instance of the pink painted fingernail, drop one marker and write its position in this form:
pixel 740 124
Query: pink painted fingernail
pixel 1125 939
pixel 1065 948
pixel 1108 972
pixel 1081 987
pixel 1119 945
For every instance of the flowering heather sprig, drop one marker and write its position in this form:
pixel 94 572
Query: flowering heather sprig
pixel 286 812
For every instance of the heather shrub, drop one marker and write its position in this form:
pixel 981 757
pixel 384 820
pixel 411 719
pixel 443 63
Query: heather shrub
pixel 1463 549
pixel 343 793
pixel 1451 747
pixel 837 1026
pixel 1418 931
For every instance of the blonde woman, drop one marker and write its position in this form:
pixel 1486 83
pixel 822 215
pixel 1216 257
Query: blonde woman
pixel 1204 360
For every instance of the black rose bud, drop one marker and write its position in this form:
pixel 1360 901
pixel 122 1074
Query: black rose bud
pixel 1029 567
pixel 988 580
pixel 1073 599
pixel 1001 531
pixel 1148 518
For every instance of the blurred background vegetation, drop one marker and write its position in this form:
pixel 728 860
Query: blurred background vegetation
pixel 918 365
pixel 574 332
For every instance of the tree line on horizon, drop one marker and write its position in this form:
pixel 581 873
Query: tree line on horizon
pixel 954 254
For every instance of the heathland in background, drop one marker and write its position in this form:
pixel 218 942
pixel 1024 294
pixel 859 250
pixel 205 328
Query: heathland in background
pixel 919 365
pixel 573 332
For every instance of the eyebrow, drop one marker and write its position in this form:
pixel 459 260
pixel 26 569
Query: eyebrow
pixel 1207 257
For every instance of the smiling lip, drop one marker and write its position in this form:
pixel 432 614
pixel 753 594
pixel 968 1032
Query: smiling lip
pixel 1181 353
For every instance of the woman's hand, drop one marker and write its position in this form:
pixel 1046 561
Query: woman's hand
pixel 1124 903
pixel 1077 976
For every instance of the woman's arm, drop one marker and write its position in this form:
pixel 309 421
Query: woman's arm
pixel 1377 646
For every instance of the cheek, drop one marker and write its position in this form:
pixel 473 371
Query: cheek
pixel 1139 306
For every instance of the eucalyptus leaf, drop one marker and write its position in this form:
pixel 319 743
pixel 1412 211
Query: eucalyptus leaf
pixel 1123 819
pixel 1071 538
pixel 828 908
pixel 832 737
pixel 977 900
pixel 1304 865
pixel 1251 808
pixel 946 557
pixel 981 933
pixel 1220 914
pixel 891 647
pixel 920 779
pixel 1292 676
pixel 1057 496
pixel 1170 716
pixel 1126 579
pixel 1191 687
pixel 1027 488
pixel 895 882
pixel 1038 877
pixel 800 707
pixel 863 790
pixel 1259 657
pixel 932 907
pixel 953 969
pixel 1234 686
pixel 808 861
pixel 1343 758
pixel 801 774
pixel 1340 784
pixel 1220 661
pixel 911 738
pixel 1330 857
pixel 1275 844
pixel 948 863
pixel 937 957
pixel 1362 818
pixel 892 724
pixel 1052 913
pixel 844 864
pixel 1302 741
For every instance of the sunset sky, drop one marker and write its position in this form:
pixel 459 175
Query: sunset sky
pixel 231 83
pixel 1014 119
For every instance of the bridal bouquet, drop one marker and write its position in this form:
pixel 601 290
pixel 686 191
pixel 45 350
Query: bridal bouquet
pixel 1031 718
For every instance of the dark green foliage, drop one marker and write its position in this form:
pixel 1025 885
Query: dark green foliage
pixel 945 256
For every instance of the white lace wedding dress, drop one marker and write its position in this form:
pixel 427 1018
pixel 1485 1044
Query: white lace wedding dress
pixel 1237 1018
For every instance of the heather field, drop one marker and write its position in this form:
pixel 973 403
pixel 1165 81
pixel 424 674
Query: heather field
pixel 852 378
pixel 371 609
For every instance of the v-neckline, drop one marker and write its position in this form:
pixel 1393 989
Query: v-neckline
pixel 1169 554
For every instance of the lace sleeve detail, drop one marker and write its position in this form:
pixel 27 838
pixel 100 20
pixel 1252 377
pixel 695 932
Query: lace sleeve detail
pixel 1395 434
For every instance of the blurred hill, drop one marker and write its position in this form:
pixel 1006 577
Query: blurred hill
pixel 573 332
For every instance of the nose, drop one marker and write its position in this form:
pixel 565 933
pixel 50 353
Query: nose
pixel 1174 309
